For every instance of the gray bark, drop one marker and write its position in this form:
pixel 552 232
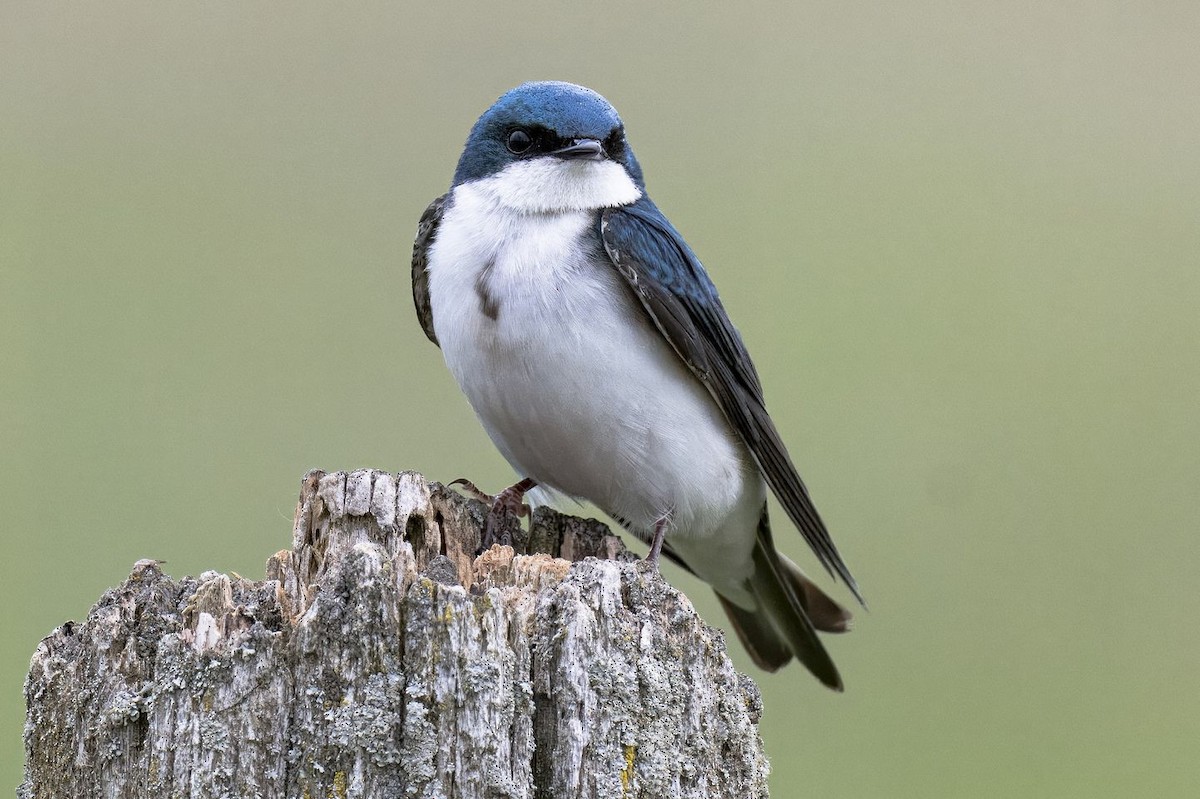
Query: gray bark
pixel 381 659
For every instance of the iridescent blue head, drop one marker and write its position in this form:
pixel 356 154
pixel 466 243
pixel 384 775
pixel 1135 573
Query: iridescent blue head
pixel 550 131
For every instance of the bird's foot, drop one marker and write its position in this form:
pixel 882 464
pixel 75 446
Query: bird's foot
pixel 501 506
pixel 660 532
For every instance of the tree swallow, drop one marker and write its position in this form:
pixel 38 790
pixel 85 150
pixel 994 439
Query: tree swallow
pixel 593 348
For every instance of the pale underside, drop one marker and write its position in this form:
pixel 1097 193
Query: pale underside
pixel 573 384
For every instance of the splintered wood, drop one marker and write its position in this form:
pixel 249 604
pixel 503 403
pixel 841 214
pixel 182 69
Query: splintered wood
pixel 382 658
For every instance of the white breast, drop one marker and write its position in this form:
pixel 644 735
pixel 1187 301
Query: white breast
pixel 575 387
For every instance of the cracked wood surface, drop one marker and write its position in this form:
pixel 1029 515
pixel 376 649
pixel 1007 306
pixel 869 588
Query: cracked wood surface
pixel 380 658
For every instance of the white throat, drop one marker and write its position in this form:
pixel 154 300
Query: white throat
pixel 554 185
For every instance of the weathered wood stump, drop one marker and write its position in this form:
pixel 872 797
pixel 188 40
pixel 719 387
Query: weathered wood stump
pixel 380 658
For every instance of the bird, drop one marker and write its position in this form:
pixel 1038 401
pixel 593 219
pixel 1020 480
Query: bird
pixel 595 351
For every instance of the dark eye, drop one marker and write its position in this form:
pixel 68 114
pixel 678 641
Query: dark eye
pixel 519 141
pixel 615 143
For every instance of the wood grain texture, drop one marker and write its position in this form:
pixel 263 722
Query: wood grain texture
pixel 380 658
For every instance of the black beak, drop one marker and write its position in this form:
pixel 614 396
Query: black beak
pixel 581 149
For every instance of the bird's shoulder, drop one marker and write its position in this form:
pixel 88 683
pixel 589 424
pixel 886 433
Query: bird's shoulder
pixel 676 291
pixel 427 230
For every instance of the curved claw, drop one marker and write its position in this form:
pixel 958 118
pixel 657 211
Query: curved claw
pixel 471 490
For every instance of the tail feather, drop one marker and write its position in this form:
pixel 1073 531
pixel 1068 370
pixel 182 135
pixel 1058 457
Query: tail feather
pixel 790 609
pixel 826 615
pixel 758 637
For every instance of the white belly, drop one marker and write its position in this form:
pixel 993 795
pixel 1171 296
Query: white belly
pixel 576 388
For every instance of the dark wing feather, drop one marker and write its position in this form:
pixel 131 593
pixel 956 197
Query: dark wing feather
pixel 426 233
pixel 683 304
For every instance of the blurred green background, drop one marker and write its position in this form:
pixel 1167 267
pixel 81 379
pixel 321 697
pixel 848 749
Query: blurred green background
pixel 961 242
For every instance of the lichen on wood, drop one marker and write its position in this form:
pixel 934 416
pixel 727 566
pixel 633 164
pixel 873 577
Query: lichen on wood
pixel 382 658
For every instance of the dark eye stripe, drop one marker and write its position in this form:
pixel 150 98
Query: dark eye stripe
pixel 523 141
